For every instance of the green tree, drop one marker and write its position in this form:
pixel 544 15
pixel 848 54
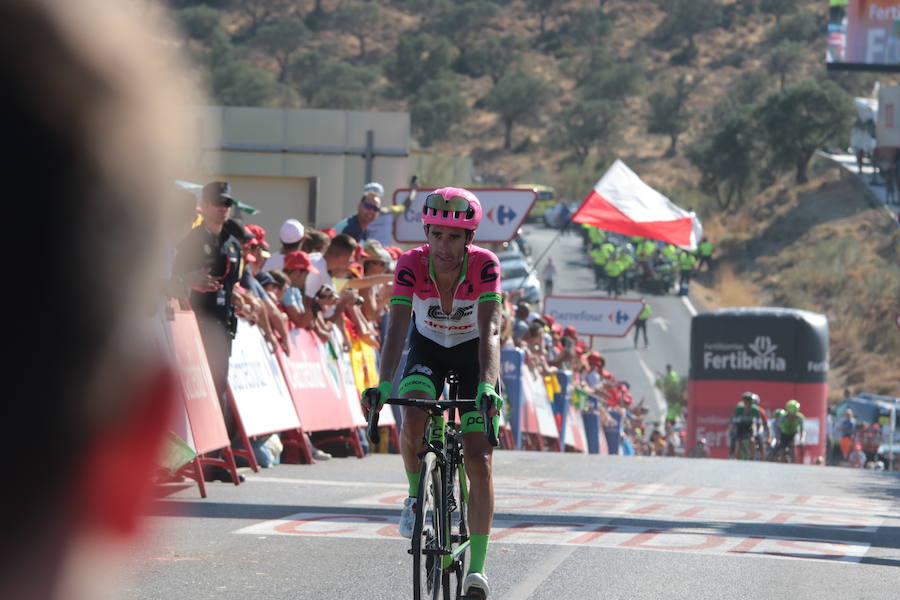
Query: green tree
pixel 583 28
pixel 783 59
pixel 544 9
pixel 804 27
pixel 202 23
pixel 800 119
pixel 778 8
pixel 466 20
pixel 257 13
pixel 726 154
pixel 417 59
pixel 669 112
pixel 516 98
pixel 492 56
pixel 281 40
pixel 237 84
pixel 357 19
pixel 584 125
pixel 328 83
pixel 436 109
pixel 599 74
pixel 689 18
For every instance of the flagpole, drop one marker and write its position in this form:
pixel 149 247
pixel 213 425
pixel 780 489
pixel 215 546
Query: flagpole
pixel 562 230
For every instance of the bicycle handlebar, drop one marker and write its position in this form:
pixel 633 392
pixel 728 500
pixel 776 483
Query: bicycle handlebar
pixel 430 405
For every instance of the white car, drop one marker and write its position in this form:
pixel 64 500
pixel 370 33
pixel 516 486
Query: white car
pixel 517 274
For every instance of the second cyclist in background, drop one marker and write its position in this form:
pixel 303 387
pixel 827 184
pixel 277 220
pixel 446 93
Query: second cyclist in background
pixel 790 432
pixel 744 424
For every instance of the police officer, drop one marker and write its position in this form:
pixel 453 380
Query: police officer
pixel 211 246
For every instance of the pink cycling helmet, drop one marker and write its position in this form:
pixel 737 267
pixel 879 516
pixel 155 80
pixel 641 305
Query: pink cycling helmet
pixel 453 207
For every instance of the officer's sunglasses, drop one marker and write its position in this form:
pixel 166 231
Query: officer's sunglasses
pixel 220 201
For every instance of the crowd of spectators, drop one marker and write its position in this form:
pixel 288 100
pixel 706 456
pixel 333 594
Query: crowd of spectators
pixel 858 444
pixel 337 283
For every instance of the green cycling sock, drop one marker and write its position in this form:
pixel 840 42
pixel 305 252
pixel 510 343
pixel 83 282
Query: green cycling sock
pixel 478 543
pixel 413 483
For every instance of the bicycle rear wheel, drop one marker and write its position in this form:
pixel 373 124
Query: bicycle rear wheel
pixel 427 532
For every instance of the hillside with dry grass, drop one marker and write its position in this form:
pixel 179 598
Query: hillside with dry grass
pixel 818 246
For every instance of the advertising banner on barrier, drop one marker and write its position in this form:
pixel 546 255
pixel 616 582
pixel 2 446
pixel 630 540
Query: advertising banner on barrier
pixel 575 434
pixel 258 384
pixel 341 376
pixel 540 400
pixel 778 353
pixel 593 431
pixel 362 363
pixel 320 404
pixel 529 404
pixel 202 407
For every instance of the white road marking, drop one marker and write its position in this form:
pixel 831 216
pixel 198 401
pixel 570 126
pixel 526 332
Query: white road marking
pixel 689 305
pixel 539 572
pixel 657 412
pixel 575 535
pixel 661 322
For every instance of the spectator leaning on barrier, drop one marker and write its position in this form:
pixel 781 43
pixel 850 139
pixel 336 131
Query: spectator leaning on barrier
pixel 210 246
pixel 297 268
pixel 291 235
pixel 100 113
pixel 367 211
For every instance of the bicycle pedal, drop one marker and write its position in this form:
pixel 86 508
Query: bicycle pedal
pixel 435 552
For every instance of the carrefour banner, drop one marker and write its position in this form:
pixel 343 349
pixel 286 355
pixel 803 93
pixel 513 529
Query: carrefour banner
pixel 864 34
pixel 760 344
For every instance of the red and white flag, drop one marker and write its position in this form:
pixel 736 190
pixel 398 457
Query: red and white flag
pixel 620 202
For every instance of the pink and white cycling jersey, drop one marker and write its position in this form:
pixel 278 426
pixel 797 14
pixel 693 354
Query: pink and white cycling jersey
pixel 414 286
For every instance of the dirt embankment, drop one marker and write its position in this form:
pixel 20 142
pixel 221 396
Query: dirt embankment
pixel 820 247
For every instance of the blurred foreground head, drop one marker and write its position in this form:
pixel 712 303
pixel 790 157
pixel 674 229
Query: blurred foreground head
pixel 88 114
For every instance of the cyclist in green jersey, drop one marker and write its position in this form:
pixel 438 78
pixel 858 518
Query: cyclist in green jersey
pixel 744 421
pixel 790 427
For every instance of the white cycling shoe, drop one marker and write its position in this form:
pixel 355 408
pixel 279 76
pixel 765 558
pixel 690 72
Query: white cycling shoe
pixel 476 587
pixel 408 517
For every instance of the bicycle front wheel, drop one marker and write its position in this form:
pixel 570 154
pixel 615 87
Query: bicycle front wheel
pixel 428 533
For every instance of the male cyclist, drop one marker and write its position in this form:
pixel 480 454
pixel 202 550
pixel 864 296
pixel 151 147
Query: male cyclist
pixel 743 423
pixel 789 427
pixel 451 290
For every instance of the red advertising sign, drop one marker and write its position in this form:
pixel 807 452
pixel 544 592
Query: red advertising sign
pixel 778 353
pixel 864 34
pixel 197 389
pixel 320 403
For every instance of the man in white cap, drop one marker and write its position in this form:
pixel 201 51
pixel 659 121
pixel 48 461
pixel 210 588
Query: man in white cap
pixel 357 226
pixel 291 235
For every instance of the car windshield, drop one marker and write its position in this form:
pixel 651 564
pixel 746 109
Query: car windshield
pixel 516 272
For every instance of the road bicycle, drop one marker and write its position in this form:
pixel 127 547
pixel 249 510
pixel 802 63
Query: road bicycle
pixel 440 537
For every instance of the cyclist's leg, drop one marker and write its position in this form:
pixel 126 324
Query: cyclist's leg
pixel 478 463
pixel 479 469
pixel 422 378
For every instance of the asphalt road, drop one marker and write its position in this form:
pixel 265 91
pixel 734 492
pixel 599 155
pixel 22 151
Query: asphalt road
pixel 567 526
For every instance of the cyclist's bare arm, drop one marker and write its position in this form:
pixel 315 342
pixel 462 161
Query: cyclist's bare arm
pixel 392 350
pixel 489 315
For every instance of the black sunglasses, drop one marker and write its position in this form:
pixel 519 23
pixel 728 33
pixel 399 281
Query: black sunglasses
pixel 220 201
